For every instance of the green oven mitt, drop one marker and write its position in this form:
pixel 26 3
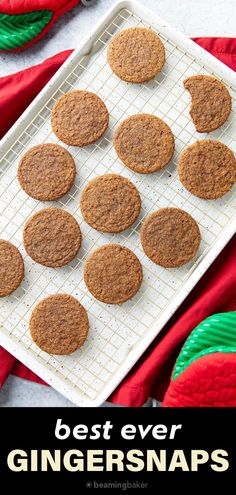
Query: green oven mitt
pixel 22 22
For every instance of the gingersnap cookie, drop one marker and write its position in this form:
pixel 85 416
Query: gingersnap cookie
pixel 136 55
pixel 113 274
pixel 79 118
pixel 59 324
pixel 211 102
pixel 110 203
pixel 207 169
pixel 170 237
pixel 52 237
pixel 144 143
pixel 11 268
pixel 46 172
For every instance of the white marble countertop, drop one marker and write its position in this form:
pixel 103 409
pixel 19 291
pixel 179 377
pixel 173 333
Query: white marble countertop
pixel 193 17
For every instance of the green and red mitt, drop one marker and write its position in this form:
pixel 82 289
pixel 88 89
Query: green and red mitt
pixel 22 22
pixel 205 371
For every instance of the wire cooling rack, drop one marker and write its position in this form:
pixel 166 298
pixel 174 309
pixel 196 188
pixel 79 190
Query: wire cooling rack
pixel 118 334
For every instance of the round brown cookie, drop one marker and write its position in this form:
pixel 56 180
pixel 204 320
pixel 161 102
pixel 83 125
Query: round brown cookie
pixel 52 237
pixel 136 55
pixel 207 169
pixel 110 203
pixel 59 324
pixel 11 268
pixel 170 237
pixel 211 102
pixel 113 274
pixel 46 172
pixel 144 143
pixel 79 118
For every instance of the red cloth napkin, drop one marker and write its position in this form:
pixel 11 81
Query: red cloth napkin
pixel 214 293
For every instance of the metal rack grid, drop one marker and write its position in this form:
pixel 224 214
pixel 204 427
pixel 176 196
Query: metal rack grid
pixel 114 330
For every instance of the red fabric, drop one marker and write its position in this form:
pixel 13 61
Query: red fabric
pixel 20 6
pixel 207 382
pixel 58 7
pixel 214 293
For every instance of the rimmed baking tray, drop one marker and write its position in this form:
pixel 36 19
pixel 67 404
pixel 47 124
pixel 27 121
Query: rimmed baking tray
pixel 118 334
